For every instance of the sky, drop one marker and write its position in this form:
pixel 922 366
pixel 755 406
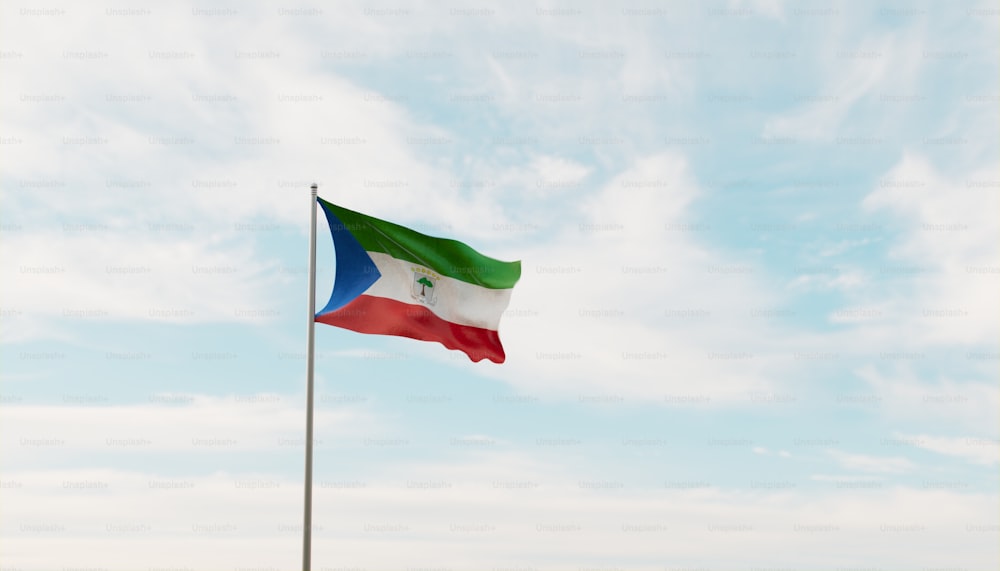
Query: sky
pixel 756 327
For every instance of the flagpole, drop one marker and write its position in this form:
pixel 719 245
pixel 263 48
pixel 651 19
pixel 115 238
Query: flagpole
pixel 310 343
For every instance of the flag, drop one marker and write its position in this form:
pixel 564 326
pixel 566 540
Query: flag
pixel 391 280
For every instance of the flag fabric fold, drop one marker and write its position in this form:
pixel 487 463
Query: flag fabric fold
pixel 391 280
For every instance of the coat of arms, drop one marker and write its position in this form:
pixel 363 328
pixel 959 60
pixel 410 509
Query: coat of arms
pixel 423 286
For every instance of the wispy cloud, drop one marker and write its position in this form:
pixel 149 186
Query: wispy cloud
pixel 876 464
pixel 978 450
pixel 464 516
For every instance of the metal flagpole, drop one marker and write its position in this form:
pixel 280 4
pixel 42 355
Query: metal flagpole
pixel 307 519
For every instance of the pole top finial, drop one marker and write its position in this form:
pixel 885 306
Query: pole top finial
pixel 314 186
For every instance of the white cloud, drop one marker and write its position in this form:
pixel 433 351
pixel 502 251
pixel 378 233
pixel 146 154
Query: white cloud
pixel 823 119
pixel 773 9
pixel 951 235
pixel 905 396
pixel 876 464
pixel 171 422
pixel 844 478
pixel 556 171
pixel 96 272
pixel 842 279
pixel 854 69
pixel 626 301
pixel 934 290
pixel 985 451
pixel 493 511
pixel 841 247
pixel 308 115
pixel 764 451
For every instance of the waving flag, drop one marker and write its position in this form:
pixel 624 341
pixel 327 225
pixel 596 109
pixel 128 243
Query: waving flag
pixel 391 280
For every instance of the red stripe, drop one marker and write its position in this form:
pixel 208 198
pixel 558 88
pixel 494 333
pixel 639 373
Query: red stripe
pixel 382 316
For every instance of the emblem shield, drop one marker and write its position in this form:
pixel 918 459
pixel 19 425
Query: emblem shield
pixel 423 288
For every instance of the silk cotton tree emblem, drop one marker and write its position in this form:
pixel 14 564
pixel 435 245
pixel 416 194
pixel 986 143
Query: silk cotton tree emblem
pixel 424 287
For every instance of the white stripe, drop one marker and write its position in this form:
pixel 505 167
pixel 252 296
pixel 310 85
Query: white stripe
pixel 455 301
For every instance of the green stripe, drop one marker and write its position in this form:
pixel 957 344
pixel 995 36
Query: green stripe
pixel 447 257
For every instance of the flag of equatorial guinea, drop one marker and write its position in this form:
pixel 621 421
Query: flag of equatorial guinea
pixel 391 280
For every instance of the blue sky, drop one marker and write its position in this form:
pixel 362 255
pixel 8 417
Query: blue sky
pixel 756 325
